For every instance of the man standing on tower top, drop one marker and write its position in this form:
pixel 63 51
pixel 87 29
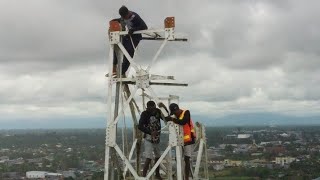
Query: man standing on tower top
pixel 133 22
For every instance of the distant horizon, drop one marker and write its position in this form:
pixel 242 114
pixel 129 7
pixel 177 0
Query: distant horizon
pixel 240 119
pixel 301 125
pixel 227 126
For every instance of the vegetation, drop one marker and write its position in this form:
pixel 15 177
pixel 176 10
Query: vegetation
pixel 64 149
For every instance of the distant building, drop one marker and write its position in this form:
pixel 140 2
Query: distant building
pixel 287 143
pixel 228 162
pixel 43 175
pixel 54 176
pixel 264 143
pixel 59 145
pixel 3 159
pixel 231 136
pixel 276 143
pixel 4 150
pixel 256 154
pixel 275 150
pixel 34 160
pixel 67 174
pixel 11 175
pixel 218 167
pixel 244 136
pixel 284 135
pixel 17 161
pixel 36 174
pixel 242 148
pixel 284 160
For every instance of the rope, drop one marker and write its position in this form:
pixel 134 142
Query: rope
pixel 124 119
pixel 124 128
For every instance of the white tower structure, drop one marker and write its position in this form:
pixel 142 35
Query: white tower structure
pixel 126 165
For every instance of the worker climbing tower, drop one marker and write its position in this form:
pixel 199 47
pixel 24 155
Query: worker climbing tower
pixel 123 94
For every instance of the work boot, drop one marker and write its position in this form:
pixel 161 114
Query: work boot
pixel 187 167
pixel 158 176
pixel 114 72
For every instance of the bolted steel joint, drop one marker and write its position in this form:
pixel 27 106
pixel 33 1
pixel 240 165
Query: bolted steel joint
pixel 142 79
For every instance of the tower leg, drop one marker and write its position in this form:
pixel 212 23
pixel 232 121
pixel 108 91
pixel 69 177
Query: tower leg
pixel 179 163
pixel 106 169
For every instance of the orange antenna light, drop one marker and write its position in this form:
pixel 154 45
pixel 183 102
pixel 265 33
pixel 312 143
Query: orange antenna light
pixel 169 22
pixel 114 26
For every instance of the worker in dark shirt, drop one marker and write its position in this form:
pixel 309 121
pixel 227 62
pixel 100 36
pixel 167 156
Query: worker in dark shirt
pixel 133 22
pixel 150 124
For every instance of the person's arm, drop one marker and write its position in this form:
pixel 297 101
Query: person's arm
pixel 142 122
pixel 138 23
pixel 184 120
pixel 160 114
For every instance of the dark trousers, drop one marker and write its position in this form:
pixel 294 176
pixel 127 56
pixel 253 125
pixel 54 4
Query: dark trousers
pixel 126 42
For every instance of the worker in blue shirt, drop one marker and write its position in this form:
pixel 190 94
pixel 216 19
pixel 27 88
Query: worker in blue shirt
pixel 133 22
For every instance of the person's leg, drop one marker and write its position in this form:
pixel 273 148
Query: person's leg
pixel 156 151
pixel 115 59
pixel 115 62
pixel 114 67
pixel 148 155
pixel 146 167
pixel 187 167
pixel 128 45
pixel 187 154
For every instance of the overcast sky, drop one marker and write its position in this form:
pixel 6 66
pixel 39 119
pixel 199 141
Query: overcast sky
pixel 245 56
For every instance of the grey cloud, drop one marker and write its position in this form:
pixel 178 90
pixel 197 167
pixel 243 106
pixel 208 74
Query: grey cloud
pixel 76 33
pixel 50 33
pixel 258 34
pixel 234 48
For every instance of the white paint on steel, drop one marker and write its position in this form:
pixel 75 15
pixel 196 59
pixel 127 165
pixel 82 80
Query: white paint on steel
pixel 142 81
